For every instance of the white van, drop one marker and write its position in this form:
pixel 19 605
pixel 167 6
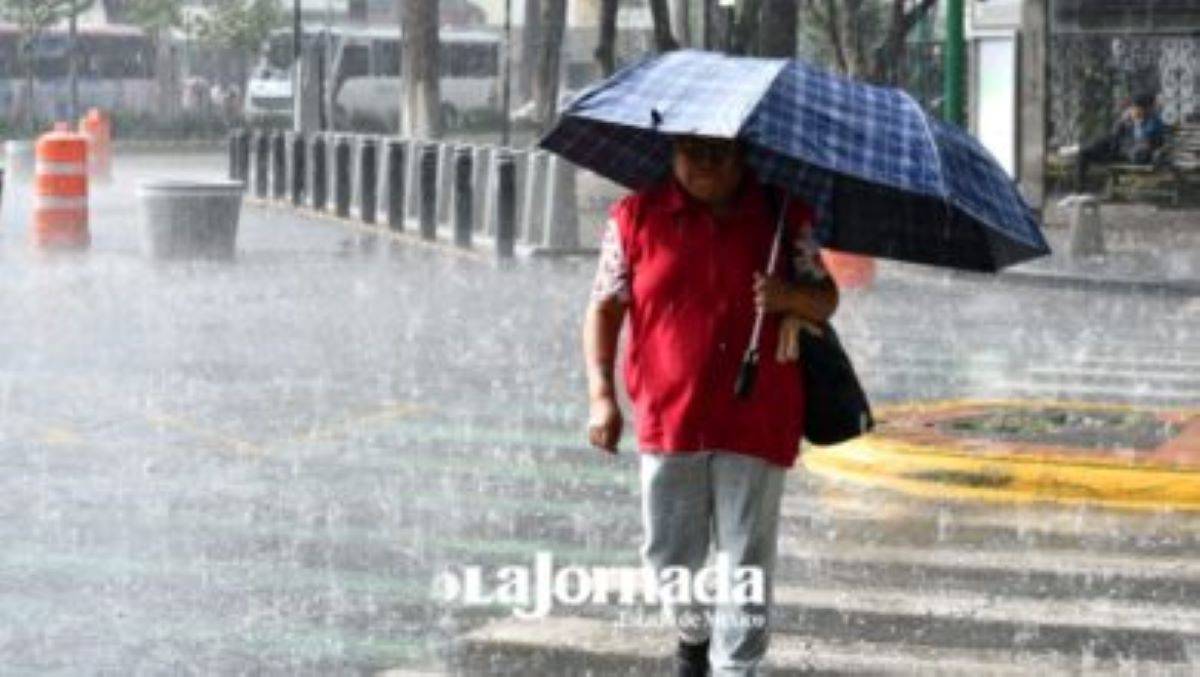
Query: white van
pixel 366 77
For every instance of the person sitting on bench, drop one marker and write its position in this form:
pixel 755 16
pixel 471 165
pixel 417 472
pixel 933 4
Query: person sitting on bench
pixel 1135 138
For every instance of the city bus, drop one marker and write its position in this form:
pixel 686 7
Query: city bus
pixel 116 71
pixel 367 77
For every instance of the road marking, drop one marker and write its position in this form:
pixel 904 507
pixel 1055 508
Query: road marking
pixel 386 414
pixel 178 423
pixel 1097 613
pixel 1071 562
pixel 573 640
pixel 62 436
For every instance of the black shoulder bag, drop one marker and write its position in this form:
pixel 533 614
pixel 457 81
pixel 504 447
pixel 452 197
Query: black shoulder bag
pixel 835 406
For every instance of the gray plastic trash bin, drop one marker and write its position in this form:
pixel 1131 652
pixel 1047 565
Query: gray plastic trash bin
pixel 190 219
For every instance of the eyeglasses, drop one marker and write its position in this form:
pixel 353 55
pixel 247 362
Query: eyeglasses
pixel 712 150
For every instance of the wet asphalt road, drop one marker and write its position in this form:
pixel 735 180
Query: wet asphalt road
pixel 259 466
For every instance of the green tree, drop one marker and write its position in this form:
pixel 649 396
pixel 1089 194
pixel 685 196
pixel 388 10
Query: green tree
pixel 241 26
pixel 866 39
pixel 237 30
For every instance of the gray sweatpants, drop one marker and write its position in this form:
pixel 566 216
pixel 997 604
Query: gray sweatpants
pixel 730 502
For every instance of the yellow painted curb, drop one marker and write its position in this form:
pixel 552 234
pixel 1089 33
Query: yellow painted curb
pixel 966 469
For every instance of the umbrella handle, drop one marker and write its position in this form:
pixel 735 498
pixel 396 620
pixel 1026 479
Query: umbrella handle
pixel 748 372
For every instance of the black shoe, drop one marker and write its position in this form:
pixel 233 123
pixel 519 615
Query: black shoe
pixel 691 660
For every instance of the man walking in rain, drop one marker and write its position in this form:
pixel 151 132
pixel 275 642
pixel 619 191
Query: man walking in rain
pixel 682 260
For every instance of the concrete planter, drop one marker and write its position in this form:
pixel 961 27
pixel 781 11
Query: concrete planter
pixel 190 219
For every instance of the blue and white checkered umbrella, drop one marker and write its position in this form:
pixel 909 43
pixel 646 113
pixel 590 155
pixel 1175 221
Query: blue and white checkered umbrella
pixel 887 179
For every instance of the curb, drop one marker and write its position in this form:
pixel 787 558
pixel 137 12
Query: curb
pixel 1182 288
pixel 1115 284
pixel 965 470
pixel 411 235
pixel 156 145
pixel 407 236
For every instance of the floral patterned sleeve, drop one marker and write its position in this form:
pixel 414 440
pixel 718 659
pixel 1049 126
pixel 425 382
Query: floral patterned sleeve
pixel 612 271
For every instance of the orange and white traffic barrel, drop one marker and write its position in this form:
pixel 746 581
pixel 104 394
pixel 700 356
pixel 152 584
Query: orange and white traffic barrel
pixel 60 187
pixel 97 127
pixel 849 271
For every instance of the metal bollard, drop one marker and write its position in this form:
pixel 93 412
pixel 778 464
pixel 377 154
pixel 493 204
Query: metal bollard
pixel 331 173
pixel 412 181
pixel 243 157
pixel 316 168
pixel 481 178
pixel 395 171
pixel 534 197
pixel 233 155
pixel 521 162
pixel 262 152
pixel 506 204
pixel 429 190
pixel 561 212
pixel 368 179
pixel 341 181
pixel 279 165
pixel 445 179
pixel 464 195
pixel 297 156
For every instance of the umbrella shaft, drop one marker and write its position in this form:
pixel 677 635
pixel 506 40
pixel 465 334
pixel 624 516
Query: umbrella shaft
pixel 775 244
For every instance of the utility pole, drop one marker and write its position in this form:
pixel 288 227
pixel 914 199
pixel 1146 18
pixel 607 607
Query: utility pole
pixel 297 71
pixel 728 6
pixel 73 57
pixel 506 94
pixel 953 55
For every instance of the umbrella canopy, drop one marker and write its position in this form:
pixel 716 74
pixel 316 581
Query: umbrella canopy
pixel 887 179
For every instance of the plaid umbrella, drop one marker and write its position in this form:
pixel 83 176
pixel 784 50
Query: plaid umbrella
pixel 886 179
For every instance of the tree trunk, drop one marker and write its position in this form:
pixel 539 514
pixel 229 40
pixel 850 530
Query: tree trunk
pixel 745 37
pixel 660 14
pixel 889 63
pixel 531 39
pixel 778 29
pixel 549 62
pixel 421 100
pixel 681 21
pixel 833 28
pixel 606 44
pixel 892 58
pixel 856 48
pixel 166 75
pixel 714 25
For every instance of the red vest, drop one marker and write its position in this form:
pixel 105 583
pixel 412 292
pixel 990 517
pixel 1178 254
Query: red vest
pixel 691 312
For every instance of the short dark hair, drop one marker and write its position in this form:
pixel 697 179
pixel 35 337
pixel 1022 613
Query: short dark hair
pixel 1145 100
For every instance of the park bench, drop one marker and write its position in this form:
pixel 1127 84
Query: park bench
pixel 1168 177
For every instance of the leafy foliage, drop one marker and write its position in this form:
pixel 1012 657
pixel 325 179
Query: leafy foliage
pixel 35 15
pixel 155 16
pixel 240 26
pixel 862 38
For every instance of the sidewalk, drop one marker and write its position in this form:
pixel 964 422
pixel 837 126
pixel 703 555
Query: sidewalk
pixel 1147 247
pixel 1148 250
